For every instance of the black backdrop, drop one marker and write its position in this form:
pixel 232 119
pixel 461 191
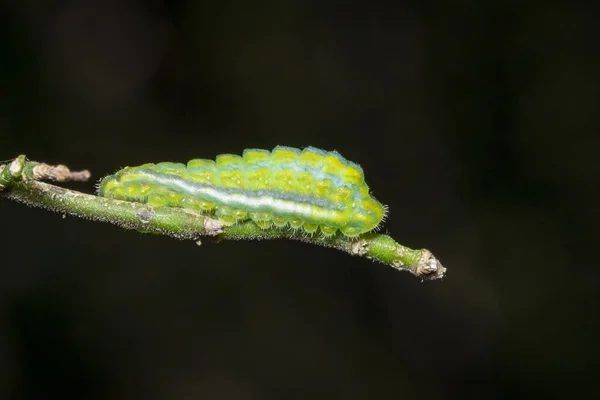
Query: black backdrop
pixel 476 122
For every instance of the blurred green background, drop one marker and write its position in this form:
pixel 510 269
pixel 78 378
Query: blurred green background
pixel 476 122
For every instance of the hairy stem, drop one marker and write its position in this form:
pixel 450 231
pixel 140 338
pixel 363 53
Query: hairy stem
pixel 19 181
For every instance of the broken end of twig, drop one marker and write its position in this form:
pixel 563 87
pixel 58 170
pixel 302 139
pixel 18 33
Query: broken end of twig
pixel 59 173
pixel 429 267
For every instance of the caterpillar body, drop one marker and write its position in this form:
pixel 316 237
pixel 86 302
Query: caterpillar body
pixel 306 189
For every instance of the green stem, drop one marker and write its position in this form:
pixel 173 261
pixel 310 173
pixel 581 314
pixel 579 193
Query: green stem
pixel 19 181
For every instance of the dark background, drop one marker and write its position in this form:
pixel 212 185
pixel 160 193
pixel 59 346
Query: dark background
pixel 476 122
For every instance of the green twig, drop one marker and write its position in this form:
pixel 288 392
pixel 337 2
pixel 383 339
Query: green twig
pixel 19 181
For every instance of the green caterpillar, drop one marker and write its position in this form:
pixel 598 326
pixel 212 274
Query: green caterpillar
pixel 306 189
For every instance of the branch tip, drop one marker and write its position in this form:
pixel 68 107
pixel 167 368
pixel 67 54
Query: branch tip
pixel 59 173
pixel 429 267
